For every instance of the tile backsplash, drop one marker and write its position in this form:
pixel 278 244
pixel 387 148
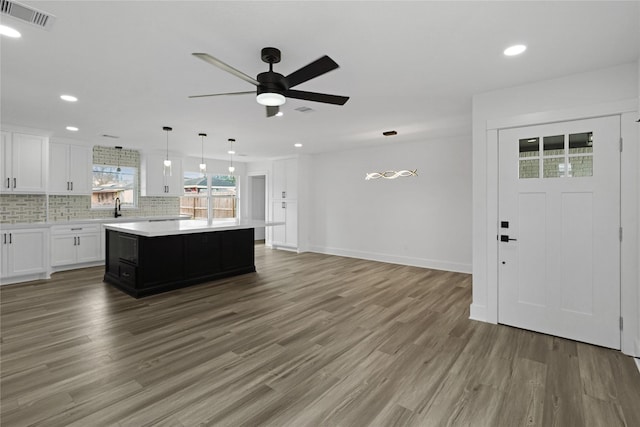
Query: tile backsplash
pixel 21 208
pixel 18 208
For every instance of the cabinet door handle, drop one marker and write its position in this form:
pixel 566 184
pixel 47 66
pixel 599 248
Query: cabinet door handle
pixel 284 194
pixel 15 182
pixel 5 238
pixel 78 240
pixel 67 185
pixel 8 182
pixel 284 205
pixel 10 238
pixel 74 240
pixel 71 185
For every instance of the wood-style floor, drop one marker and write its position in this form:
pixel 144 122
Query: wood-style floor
pixel 309 340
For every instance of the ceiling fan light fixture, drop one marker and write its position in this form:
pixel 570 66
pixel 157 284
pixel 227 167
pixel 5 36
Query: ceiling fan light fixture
pixel 270 99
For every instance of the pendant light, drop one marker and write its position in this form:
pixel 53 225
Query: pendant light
pixel 203 165
pixel 231 153
pixel 167 162
pixel 119 149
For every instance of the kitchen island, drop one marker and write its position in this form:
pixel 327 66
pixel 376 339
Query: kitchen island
pixel 146 258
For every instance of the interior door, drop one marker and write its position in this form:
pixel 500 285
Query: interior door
pixel 559 230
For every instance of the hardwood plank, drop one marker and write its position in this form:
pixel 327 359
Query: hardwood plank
pixel 309 339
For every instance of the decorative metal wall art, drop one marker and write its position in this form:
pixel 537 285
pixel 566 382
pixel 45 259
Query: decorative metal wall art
pixel 391 174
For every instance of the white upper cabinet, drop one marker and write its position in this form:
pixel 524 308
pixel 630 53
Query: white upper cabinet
pixel 154 181
pixel 24 163
pixel 70 169
pixel 285 179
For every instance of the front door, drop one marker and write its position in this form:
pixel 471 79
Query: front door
pixel 559 229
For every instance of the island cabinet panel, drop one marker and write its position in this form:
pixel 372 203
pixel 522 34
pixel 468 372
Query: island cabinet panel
pixel 142 266
pixel 237 249
pixel 202 254
pixel 162 258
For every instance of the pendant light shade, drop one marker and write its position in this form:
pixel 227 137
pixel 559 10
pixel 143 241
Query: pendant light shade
pixel 232 169
pixel 167 162
pixel 203 165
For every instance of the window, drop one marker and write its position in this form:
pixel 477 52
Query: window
pixel 195 201
pixel 560 160
pixel 213 196
pixel 223 196
pixel 111 182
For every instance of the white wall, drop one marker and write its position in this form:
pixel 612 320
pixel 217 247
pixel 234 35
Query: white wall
pixel 423 221
pixel 601 90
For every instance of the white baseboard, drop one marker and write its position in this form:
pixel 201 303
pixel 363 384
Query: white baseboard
pixel 478 312
pixel 26 278
pixel 395 259
pixel 77 266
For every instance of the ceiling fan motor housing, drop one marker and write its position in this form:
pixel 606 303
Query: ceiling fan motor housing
pixel 271 82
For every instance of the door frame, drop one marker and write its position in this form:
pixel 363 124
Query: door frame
pixel 630 207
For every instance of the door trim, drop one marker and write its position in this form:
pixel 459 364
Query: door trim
pixel 630 208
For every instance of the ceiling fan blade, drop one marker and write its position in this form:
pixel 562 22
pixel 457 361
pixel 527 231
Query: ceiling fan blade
pixel 220 94
pixel 226 67
pixel 317 97
pixel 310 71
pixel 272 110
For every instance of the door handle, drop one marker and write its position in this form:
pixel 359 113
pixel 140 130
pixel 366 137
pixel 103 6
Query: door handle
pixel 505 238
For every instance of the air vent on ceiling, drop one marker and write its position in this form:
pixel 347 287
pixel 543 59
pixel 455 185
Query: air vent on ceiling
pixel 304 109
pixel 27 14
pixel 105 135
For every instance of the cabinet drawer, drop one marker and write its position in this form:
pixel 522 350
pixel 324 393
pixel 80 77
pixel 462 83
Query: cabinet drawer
pixel 75 229
pixel 127 274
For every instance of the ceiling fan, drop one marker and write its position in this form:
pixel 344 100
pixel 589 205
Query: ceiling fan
pixel 273 88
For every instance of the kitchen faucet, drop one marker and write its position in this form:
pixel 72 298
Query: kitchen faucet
pixel 117 209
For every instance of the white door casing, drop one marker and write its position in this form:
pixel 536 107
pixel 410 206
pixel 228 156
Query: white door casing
pixel 562 274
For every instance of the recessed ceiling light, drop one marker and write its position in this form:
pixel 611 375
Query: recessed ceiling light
pixel 231 152
pixel 68 98
pixel 72 128
pixel 298 145
pixel 9 32
pixel 515 50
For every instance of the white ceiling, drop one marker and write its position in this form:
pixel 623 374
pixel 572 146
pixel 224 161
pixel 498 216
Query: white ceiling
pixel 409 66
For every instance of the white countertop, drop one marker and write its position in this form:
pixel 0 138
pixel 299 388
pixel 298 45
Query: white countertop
pixel 169 228
pixel 92 221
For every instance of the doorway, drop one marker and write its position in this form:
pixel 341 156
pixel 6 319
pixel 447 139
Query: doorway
pixel 559 229
pixel 258 205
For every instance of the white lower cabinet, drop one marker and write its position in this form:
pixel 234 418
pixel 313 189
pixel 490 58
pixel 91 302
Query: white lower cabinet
pixel 24 254
pixel 285 235
pixel 75 244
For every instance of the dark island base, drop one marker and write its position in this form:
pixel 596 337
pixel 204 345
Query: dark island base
pixel 142 266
